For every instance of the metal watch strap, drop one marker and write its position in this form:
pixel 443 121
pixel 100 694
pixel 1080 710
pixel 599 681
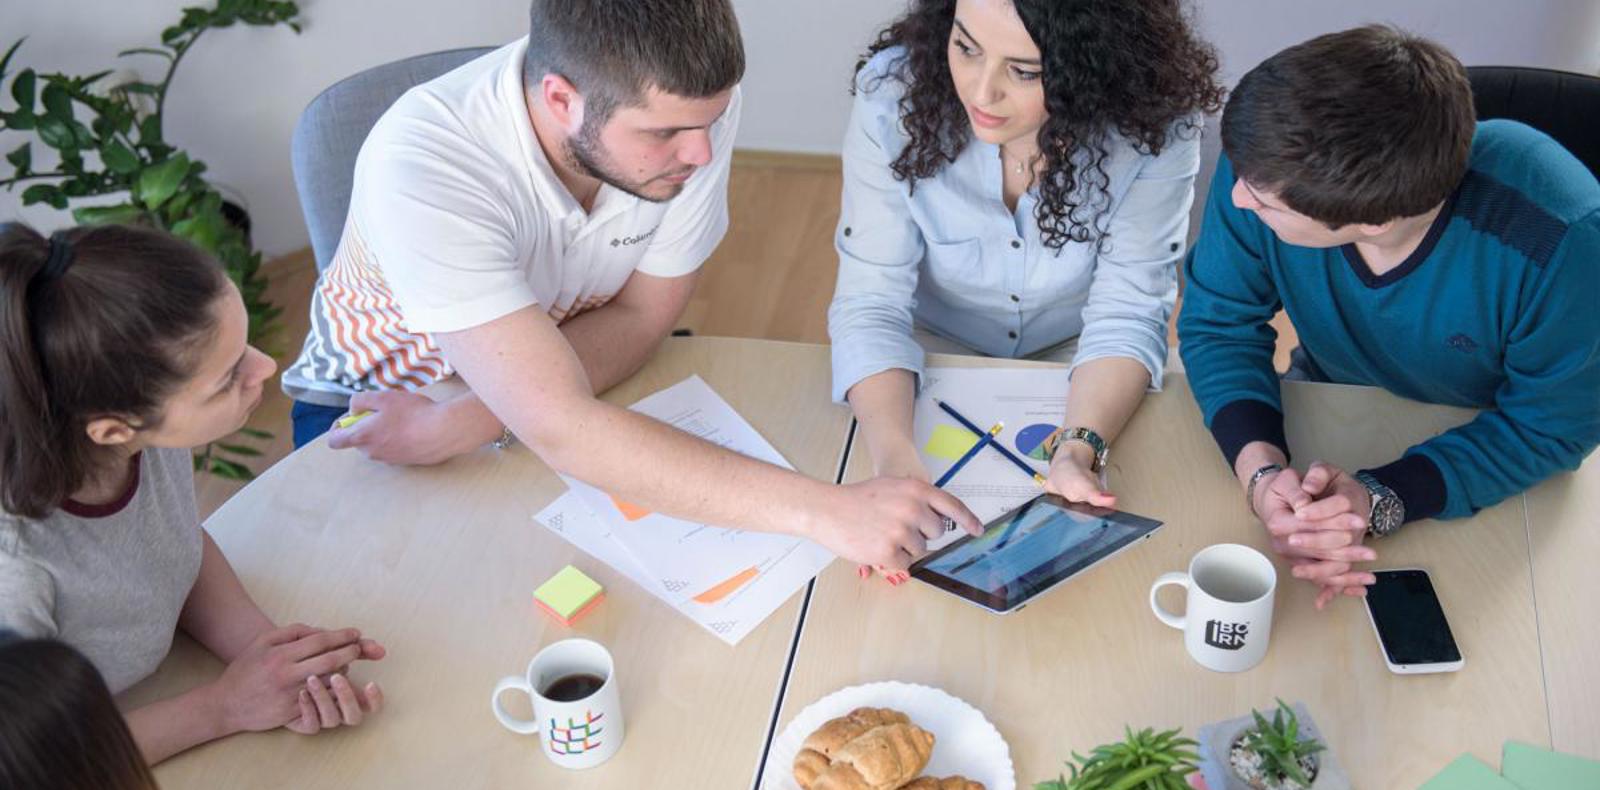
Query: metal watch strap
pixel 1388 511
pixel 1250 489
pixel 1095 442
pixel 507 438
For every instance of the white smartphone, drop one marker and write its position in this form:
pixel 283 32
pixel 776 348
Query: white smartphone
pixel 1412 631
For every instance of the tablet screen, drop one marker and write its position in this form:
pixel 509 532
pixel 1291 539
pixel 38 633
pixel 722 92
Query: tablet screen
pixel 1030 550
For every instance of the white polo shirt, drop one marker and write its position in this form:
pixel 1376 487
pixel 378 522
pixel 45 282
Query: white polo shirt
pixel 456 219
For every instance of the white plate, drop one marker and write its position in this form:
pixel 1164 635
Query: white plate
pixel 964 741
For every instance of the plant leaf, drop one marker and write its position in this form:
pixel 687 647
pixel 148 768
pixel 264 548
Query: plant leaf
pixel 158 182
pixel 239 449
pixel 22 89
pixel 143 88
pixel 145 51
pixel 57 101
pixel 150 131
pixel 118 158
pixel 57 134
pixel 230 470
pixel 120 214
pixel 44 193
pixel 255 433
pixel 22 158
pixel 5 60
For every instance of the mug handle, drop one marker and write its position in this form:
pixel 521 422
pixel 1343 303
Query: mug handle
pixel 508 721
pixel 1177 621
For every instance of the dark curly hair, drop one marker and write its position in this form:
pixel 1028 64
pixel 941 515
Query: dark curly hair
pixel 1133 68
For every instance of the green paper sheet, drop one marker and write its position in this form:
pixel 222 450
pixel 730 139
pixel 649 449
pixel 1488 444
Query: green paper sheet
pixel 1533 768
pixel 1468 773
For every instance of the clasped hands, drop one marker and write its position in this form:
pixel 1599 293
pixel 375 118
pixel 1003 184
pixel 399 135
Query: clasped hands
pixel 1319 521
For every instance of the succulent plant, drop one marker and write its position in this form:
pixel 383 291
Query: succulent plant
pixel 1144 759
pixel 1279 746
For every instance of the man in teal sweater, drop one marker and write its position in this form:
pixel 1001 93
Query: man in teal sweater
pixel 1414 249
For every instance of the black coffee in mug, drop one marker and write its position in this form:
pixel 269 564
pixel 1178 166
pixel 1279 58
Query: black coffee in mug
pixel 571 688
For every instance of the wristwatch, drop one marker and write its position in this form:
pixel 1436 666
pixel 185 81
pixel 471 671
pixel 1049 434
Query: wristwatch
pixel 1250 490
pixel 507 438
pixel 1388 512
pixel 1097 444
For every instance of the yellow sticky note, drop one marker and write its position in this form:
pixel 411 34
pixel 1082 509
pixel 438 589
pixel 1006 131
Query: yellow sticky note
pixel 567 592
pixel 949 442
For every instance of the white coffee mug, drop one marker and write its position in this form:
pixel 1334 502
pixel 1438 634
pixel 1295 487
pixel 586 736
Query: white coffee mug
pixel 1227 620
pixel 573 733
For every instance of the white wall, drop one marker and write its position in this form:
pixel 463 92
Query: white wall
pixel 240 91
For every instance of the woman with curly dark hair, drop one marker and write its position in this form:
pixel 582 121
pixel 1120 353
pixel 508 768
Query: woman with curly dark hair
pixel 1017 183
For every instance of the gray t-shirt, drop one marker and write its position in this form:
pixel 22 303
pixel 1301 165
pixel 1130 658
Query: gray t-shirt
pixel 109 580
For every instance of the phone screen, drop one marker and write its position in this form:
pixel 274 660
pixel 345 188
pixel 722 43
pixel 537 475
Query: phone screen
pixel 1409 619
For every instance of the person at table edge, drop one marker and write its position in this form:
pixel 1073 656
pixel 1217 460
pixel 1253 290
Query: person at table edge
pixel 534 221
pixel 1017 183
pixel 1445 260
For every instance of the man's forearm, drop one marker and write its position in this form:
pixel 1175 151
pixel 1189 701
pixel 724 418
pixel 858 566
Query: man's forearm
pixel 703 482
pixel 613 342
pixel 1254 456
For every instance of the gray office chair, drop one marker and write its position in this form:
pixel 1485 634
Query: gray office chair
pixel 333 127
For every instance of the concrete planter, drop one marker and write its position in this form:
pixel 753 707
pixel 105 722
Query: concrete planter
pixel 1216 743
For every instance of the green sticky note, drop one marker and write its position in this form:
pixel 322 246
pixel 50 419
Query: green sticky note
pixel 1533 768
pixel 567 591
pixel 949 442
pixel 1467 773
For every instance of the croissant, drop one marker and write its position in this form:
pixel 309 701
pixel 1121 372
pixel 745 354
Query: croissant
pixel 944 783
pixel 808 765
pixel 837 732
pixel 882 758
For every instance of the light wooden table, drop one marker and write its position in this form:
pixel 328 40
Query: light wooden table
pixel 1067 672
pixel 440 564
pixel 1564 520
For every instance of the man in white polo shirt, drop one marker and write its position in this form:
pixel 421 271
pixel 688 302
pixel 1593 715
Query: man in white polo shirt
pixel 534 221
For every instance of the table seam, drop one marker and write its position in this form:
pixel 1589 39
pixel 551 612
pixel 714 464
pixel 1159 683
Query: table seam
pixel 1538 624
pixel 799 629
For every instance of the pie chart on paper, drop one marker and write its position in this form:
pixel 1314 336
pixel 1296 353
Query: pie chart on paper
pixel 1030 440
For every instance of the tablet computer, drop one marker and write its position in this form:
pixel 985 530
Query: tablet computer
pixel 1027 551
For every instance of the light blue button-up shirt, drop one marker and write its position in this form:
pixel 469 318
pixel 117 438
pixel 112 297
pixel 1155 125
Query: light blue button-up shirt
pixel 951 257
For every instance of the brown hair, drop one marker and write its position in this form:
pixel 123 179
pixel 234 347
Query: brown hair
pixel 61 729
pixel 1361 126
pixel 1108 67
pixel 110 330
pixel 614 50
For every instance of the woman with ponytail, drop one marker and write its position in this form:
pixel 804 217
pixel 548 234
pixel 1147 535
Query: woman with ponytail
pixel 120 349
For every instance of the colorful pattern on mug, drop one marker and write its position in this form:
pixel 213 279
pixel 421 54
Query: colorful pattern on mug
pixel 577 737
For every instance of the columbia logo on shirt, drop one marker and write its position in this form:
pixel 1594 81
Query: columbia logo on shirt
pixel 629 241
pixel 1462 343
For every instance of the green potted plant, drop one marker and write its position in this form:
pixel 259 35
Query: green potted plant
pixel 1143 759
pixel 109 141
pixel 1273 755
pixel 1254 752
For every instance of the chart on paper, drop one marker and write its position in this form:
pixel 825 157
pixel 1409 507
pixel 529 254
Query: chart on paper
pixel 1030 401
pixel 726 579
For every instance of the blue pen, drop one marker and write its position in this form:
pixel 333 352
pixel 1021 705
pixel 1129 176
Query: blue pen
pixel 1021 464
pixel 970 454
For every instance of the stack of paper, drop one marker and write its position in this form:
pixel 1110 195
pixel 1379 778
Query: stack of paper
pixel 728 580
pixel 1522 767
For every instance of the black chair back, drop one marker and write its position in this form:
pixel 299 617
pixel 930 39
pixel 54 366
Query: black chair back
pixel 1562 104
